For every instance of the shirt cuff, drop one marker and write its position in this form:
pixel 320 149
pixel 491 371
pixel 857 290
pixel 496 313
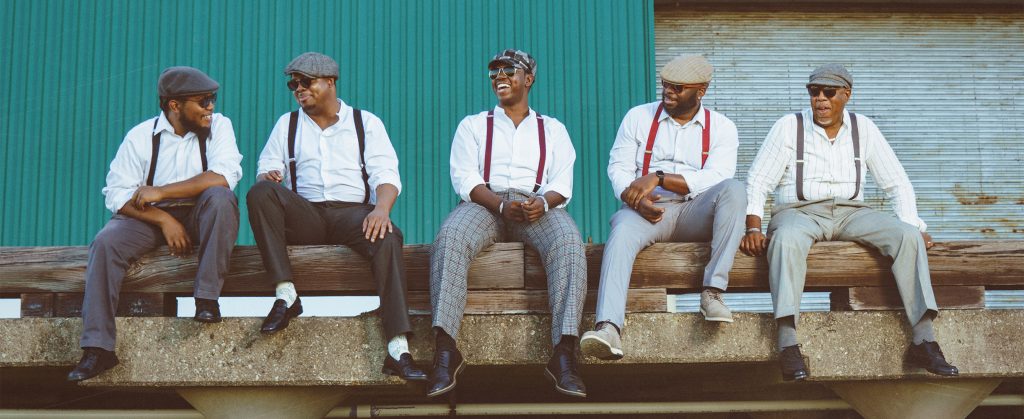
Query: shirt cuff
pixel 754 208
pixel 231 175
pixel 467 187
pixel 116 200
pixel 389 179
pixel 916 222
pixel 560 188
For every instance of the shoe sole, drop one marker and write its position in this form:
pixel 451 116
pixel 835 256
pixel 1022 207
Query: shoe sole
pixel 560 389
pixel 800 377
pixel 208 321
pixel 393 373
pixel 270 332
pixel 599 348
pixel 451 386
pixel 116 362
pixel 908 364
pixel 715 319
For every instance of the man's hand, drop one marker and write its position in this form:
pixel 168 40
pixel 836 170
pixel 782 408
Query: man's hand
pixel 754 243
pixel 513 211
pixel 376 224
pixel 533 209
pixel 928 243
pixel 638 190
pixel 273 176
pixel 649 211
pixel 176 237
pixel 146 195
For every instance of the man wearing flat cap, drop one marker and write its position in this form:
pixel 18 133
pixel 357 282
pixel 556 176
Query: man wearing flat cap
pixel 512 167
pixel 671 165
pixel 329 175
pixel 816 161
pixel 170 183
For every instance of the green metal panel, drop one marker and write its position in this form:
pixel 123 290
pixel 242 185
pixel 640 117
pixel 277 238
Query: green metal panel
pixel 80 74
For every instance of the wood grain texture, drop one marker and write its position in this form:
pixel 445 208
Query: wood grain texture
pixel 888 298
pixel 37 305
pixel 536 302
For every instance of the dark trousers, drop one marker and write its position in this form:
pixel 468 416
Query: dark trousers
pixel 212 224
pixel 280 217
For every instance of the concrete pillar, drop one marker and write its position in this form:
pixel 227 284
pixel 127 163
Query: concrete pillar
pixel 263 402
pixel 910 399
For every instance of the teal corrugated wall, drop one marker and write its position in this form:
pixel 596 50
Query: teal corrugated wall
pixel 79 74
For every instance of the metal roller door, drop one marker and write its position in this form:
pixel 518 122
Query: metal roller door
pixel 945 88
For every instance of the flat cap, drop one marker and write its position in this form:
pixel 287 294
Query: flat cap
pixel 516 58
pixel 313 64
pixel 688 69
pixel 184 81
pixel 831 75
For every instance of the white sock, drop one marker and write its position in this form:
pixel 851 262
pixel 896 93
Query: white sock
pixel 398 346
pixel 286 291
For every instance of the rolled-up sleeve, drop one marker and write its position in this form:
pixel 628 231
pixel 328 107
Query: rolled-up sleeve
pixel 622 159
pixel 223 154
pixel 274 154
pixel 721 162
pixel 381 159
pixel 560 170
pixel 769 165
pixel 465 160
pixel 125 175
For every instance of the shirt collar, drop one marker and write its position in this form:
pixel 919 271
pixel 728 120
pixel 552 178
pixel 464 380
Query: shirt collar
pixel 343 112
pixel 164 125
pixel 698 118
pixel 809 117
pixel 498 110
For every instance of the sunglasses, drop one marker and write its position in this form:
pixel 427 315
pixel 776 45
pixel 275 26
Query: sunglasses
pixel 507 71
pixel 205 102
pixel 678 88
pixel 294 84
pixel 829 92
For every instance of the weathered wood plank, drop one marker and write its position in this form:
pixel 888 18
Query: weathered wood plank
pixel 679 266
pixel 129 304
pixel 37 305
pixel 536 302
pixel 888 298
pixel 316 268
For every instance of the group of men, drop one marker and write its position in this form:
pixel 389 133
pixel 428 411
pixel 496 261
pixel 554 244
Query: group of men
pixel 328 174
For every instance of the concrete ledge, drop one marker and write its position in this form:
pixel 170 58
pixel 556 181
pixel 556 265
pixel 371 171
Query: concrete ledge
pixel 330 351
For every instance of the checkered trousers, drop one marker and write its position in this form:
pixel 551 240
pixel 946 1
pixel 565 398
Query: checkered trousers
pixel 470 228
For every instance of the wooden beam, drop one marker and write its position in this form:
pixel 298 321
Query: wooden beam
pixel 129 304
pixel 888 298
pixel 322 269
pixel 536 302
pixel 37 305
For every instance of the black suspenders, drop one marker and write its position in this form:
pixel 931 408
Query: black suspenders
pixel 357 116
pixel 156 152
pixel 854 133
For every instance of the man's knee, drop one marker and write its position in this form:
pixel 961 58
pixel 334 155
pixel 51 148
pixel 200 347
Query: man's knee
pixel 261 191
pixel 218 197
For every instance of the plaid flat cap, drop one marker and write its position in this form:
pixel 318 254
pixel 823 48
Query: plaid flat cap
pixel 515 58
pixel 688 69
pixel 831 75
pixel 313 64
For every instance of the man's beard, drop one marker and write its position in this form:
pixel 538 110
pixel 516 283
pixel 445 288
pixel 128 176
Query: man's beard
pixel 684 107
pixel 200 131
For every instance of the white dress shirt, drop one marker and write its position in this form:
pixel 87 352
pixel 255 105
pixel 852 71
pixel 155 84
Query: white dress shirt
pixel 327 160
pixel 515 153
pixel 179 158
pixel 677 150
pixel 829 170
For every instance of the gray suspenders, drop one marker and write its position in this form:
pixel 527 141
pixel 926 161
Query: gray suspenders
pixel 854 133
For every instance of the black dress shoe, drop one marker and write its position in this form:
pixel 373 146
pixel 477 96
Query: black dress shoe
pixel 561 369
pixel 403 367
pixel 280 315
pixel 792 363
pixel 448 363
pixel 207 311
pixel 94 361
pixel 929 356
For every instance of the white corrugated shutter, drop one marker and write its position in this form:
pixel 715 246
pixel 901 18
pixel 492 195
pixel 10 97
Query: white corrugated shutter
pixel 945 89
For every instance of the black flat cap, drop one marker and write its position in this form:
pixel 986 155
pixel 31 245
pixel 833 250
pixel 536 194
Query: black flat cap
pixel 184 81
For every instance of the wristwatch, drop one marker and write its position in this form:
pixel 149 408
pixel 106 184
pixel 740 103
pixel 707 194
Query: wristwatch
pixel 661 178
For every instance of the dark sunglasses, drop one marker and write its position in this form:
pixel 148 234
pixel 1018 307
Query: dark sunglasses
pixel 205 102
pixel 507 71
pixel 829 92
pixel 295 83
pixel 677 88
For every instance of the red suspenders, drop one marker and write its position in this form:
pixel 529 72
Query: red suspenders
pixel 705 141
pixel 540 139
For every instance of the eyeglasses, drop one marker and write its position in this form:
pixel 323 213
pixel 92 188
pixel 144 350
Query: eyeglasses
pixel 829 92
pixel 205 102
pixel 294 84
pixel 507 71
pixel 678 88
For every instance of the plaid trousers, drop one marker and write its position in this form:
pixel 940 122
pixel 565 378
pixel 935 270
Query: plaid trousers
pixel 470 228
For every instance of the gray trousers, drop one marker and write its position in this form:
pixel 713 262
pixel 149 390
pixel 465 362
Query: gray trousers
pixel 212 224
pixel 717 215
pixel 470 228
pixel 795 227
pixel 280 217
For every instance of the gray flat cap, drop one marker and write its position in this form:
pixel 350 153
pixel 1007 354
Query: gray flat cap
pixel 313 64
pixel 688 69
pixel 831 75
pixel 516 58
pixel 184 81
